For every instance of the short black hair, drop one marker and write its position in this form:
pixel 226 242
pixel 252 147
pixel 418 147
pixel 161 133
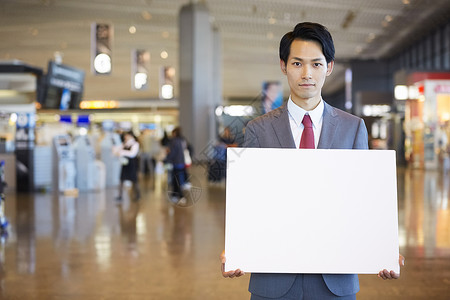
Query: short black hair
pixel 308 31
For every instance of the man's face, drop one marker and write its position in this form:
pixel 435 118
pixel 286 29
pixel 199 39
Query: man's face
pixel 306 70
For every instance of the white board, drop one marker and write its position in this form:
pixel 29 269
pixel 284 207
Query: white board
pixel 311 211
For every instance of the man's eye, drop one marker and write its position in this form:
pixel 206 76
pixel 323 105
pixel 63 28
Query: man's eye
pixel 317 64
pixel 297 64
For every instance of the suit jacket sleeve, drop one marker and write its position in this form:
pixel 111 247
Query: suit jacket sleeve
pixel 250 138
pixel 361 137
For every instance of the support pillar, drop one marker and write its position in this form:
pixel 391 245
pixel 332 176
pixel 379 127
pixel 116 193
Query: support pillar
pixel 198 80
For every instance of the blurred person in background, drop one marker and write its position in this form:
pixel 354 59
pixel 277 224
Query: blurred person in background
pixel 129 159
pixel 165 139
pixel 217 166
pixel 228 138
pixel 272 96
pixel 146 165
pixel 178 155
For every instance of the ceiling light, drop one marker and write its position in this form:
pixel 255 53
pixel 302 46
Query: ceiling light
pixel 388 18
pixel 272 20
pixel 164 54
pixel 401 92
pixel 132 29
pixel 102 63
pixel 167 91
pixel 140 81
pixel 170 71
pixel 146 15
pixel 269 35
pixel 371 37
pixel 165 34
pixel 219 111
pixel 145 56
pixel 83 131
pixel 13 118
pixel 406 2
pixel 238 110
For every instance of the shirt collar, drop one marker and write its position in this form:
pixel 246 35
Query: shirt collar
pixel 297 113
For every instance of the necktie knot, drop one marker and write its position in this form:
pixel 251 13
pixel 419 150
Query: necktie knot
pixel 307 121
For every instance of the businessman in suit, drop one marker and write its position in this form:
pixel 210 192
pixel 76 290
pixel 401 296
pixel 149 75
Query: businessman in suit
pixel 306 121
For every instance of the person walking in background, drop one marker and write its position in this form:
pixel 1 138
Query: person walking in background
pixel 165 139
pixel 217 166
pixel 177 157
pixel 272 96
pixel 129 159
pixel 146 165
pixel 227 137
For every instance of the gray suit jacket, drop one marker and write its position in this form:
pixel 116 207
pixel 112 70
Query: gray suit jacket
pixel 340 130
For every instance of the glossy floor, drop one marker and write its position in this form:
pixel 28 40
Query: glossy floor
pixel 91 248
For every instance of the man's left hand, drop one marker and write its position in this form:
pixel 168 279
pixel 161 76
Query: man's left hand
pixel 385 274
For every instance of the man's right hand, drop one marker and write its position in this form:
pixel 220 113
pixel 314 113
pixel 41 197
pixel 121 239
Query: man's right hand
pixel 229 274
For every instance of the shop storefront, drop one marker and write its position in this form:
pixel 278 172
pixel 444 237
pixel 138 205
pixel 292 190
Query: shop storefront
pixel 427 120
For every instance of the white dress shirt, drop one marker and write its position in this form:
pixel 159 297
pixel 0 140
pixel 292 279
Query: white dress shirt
pixel 296 114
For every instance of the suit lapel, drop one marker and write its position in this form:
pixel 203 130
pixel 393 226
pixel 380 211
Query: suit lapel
pixel 329 126
pixel 282 128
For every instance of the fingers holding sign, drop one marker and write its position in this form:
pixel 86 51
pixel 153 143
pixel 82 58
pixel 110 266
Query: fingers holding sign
pixel 232 273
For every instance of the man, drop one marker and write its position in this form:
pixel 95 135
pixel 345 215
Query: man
pixel 306 121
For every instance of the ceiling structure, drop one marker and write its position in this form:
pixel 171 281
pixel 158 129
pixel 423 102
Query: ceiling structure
pixel 32 31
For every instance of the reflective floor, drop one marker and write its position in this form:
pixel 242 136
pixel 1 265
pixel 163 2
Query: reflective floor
pixel 92 248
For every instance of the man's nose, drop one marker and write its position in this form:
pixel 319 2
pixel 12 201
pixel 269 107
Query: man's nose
pixel 306 74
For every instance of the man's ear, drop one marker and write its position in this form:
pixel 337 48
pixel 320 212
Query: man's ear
pixel 283 66
pixel 330 66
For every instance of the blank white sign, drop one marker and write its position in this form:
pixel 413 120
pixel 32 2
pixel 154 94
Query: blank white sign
pixel 311 211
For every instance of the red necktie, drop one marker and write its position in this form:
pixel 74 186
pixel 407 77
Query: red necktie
pixel 307 141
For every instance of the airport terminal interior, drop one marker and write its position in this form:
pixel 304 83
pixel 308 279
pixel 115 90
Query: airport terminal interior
pixel 95 94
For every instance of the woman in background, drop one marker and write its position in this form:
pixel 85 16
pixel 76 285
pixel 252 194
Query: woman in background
pixel 129 159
